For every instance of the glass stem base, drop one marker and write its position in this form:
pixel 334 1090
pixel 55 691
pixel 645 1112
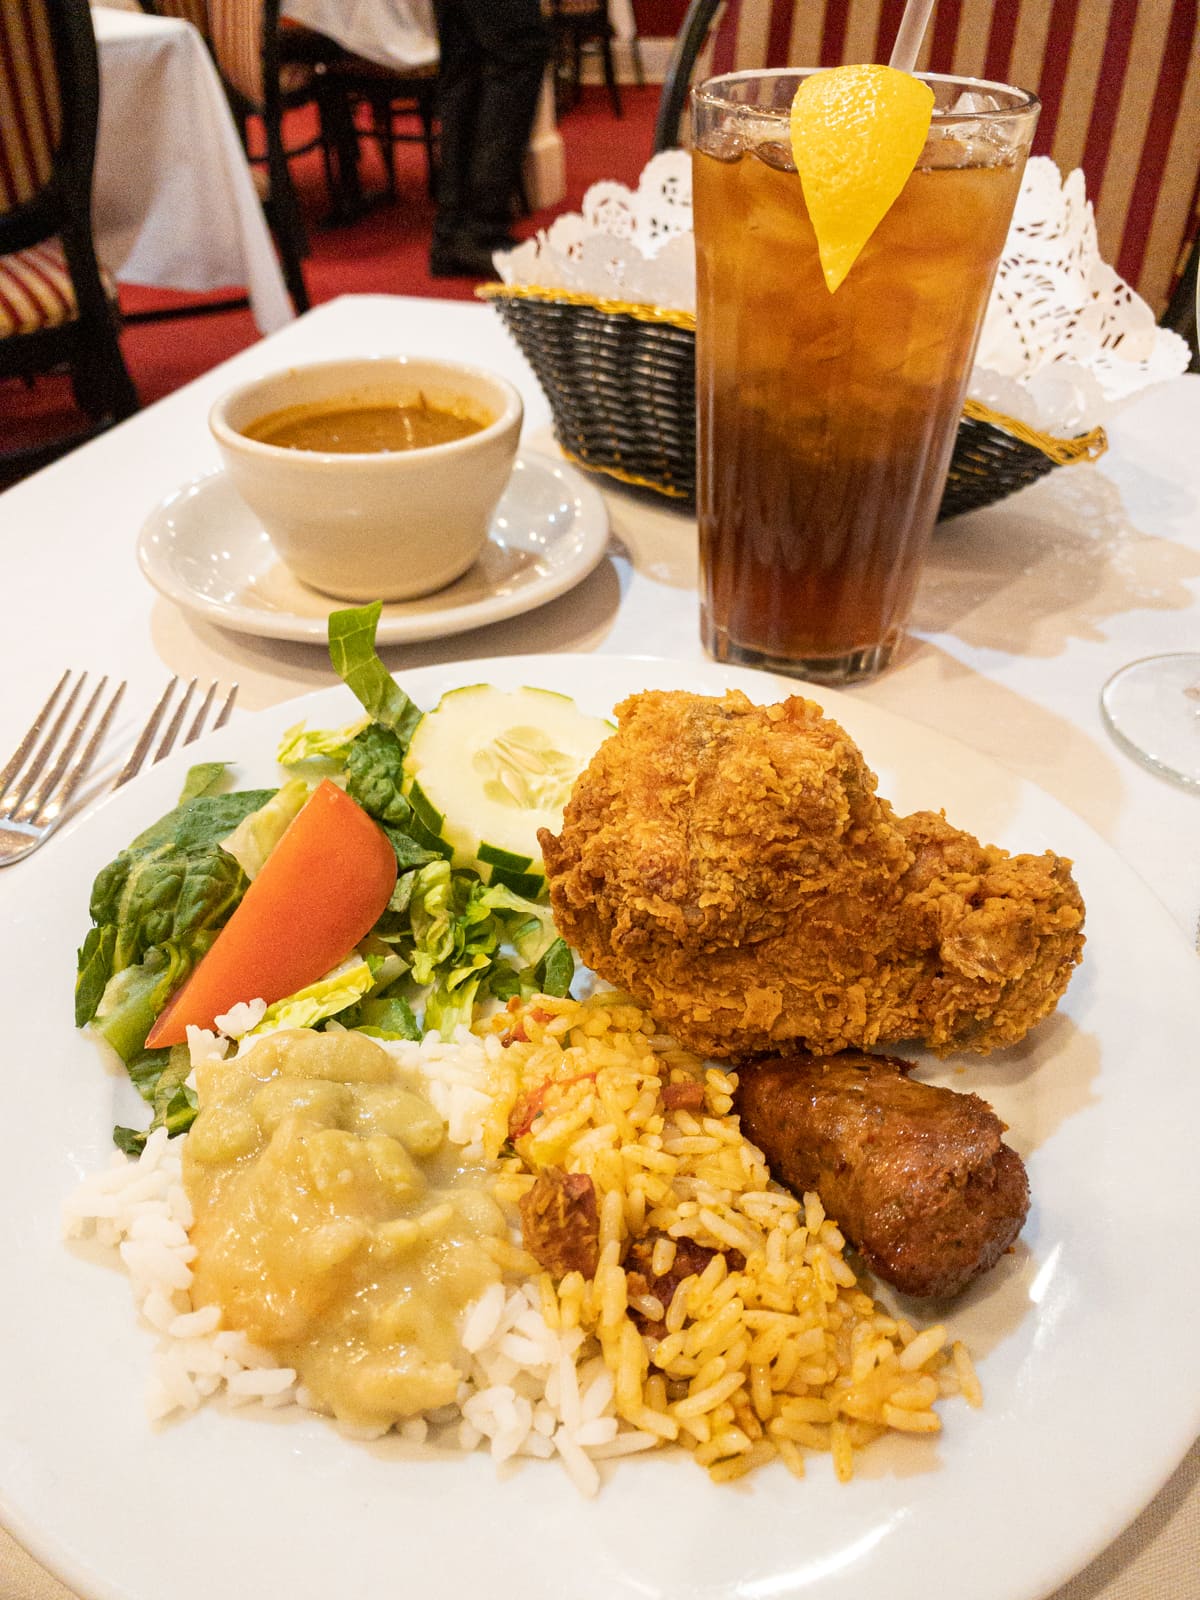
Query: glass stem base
pixel 854 666
pixel 1152 709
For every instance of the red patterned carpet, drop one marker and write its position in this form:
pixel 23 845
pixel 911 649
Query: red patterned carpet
pixel 384 252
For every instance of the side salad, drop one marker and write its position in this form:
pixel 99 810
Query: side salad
pixel 458 792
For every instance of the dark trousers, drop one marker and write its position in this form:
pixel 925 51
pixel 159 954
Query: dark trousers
pixel 493 56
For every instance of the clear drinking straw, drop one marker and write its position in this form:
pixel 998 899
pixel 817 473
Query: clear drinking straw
pixel 910 34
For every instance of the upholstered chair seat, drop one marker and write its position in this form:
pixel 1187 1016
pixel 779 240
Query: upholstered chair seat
pixel 36 290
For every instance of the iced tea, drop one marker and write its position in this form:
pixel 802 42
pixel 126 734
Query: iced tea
pixel 826 421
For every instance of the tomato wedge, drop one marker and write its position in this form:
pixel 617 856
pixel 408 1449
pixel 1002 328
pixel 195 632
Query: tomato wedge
pixel 322 888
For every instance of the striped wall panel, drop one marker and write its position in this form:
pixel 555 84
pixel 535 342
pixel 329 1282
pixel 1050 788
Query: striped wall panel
pixel 1119 82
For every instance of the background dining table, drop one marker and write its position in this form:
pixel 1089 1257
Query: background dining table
pixel 1024 611
pixel 174 204
pixel 395 33
pixel 402 33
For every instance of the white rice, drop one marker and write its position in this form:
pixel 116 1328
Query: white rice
pixel 141 1209
pixel 524 1392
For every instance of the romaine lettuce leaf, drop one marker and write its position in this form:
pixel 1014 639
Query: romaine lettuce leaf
pixel 257 834
pixel 446 1008
pixel 301 744
pixel 352 652
pixel 348 982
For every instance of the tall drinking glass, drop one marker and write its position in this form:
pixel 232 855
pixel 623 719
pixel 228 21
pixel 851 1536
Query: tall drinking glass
pixel 826 422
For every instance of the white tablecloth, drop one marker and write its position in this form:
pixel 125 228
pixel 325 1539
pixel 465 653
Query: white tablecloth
pixel 174 204
pixel 396 33
pixel 1025 610
pixel 403 34
pixel 400 33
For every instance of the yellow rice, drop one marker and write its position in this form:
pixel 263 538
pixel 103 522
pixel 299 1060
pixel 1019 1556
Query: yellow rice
pixel 786 1354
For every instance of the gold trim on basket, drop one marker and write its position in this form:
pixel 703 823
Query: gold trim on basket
pixel 1065 452
pixel 626 477
pixel 644 313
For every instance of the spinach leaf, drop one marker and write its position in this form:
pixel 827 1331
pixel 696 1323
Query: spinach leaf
pixel 385 1016
pixel 409 853
pixel 374 776
pixel 203 778
pixel 156 909
pixel 160 1078
pixel 556 969
pixel 134 995
pixel 93 970
pixel 204 820
pixel 352 652
pixel 145 1070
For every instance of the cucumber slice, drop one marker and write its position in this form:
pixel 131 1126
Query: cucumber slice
pixel 486 768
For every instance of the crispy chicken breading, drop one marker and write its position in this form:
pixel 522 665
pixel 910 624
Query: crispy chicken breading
pixel 732 867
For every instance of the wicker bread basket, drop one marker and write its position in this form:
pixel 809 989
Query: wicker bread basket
pixel 621 382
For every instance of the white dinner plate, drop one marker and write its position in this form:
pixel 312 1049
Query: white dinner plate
pixel 205 549
pixel 1084 1336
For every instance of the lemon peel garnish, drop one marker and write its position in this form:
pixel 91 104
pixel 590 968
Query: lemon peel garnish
pixel 857 133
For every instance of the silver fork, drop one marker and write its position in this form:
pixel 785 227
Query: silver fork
pixel 44 772
pixel 137 756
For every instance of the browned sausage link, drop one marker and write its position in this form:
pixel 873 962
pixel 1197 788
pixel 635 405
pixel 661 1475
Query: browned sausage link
pixel 689 1262
pixel 560 1222
pixel 917 1177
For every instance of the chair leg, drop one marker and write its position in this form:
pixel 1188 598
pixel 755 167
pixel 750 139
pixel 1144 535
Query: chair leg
pixel 339 139
pixel 286 222
pixel 425 111
pixel 381 122
pixel 576 66
pixel 639 69
pixel 100 380
pixel 610 71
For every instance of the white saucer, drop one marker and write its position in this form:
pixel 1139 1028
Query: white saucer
pixel 205 549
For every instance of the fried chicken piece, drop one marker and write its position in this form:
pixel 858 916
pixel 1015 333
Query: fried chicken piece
pixel 732 867
pixel 918 1177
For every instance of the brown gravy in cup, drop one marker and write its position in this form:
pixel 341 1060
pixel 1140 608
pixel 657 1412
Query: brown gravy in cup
pixel 353 427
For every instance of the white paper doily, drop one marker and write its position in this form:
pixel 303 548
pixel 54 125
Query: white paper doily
pixel 628 244
pixel 1064 338
pixel 1061 324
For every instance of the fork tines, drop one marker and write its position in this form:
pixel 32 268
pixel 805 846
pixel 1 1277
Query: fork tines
pixel 175 722
pixel 42 773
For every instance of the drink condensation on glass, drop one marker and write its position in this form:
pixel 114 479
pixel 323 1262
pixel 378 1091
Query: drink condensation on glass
pixel 826 422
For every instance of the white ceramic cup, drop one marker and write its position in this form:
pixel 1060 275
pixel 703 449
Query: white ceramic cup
pixel 389 525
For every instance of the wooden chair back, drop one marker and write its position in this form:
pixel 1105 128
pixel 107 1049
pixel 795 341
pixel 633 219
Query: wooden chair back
pixel 245 41
pixel 46 149
pixel 193 11
pixel 1119 82
pixel 49 109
